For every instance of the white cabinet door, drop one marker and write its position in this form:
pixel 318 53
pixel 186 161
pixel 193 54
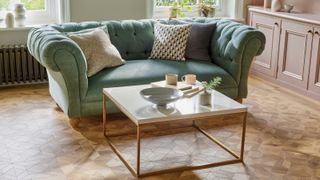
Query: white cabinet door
pixel 266 63
pixel 295 53
pixel 314 78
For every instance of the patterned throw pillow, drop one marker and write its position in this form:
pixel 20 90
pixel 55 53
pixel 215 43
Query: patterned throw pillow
pixel 170 41
pixel 98 50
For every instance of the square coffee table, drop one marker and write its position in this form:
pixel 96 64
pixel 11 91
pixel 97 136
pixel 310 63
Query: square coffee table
pixel 141 112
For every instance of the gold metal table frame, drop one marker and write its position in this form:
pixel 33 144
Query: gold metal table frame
pixel 137 172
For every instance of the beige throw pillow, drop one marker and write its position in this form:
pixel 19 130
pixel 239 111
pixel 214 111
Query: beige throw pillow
pixel 170 41
pixel 98 50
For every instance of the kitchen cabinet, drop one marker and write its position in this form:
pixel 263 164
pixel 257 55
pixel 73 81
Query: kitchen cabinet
pixel 266 63
pixel 292 54
pixel 314 81
pixel 295 53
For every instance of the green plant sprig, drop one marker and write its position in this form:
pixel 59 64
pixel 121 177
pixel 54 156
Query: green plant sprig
pixel 213 84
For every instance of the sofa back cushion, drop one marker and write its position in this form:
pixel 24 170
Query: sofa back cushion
pixel 133 39
pixel 199 41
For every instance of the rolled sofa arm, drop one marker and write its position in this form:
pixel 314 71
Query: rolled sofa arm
pixel 65 64
pixel 234 47
pixel 44 42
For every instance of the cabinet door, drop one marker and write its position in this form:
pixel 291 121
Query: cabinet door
pixel 314 78
pixel 266 63
pixel 295 53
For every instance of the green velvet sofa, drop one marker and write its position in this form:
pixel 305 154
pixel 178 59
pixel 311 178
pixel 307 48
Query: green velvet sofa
pixel 233 48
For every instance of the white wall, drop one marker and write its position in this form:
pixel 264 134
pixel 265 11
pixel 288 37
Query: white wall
pixel 94 10
pixel 89 10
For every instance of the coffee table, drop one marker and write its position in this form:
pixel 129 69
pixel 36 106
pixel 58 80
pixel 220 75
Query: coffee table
pixel 142 112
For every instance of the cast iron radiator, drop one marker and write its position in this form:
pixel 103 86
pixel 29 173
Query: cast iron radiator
pixel 19 67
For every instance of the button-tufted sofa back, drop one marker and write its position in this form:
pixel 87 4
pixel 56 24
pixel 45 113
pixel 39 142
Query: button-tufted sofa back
pixel 134 39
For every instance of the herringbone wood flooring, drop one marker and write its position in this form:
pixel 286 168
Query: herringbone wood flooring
pixel 283 141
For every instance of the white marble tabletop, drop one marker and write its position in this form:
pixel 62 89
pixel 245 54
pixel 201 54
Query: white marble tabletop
pixel 141 111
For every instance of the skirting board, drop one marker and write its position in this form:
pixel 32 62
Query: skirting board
pixel 288 87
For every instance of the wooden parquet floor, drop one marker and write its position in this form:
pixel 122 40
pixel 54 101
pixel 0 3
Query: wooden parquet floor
pixel 36 142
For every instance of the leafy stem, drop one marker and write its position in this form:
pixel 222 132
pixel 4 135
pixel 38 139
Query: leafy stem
pixel 213 84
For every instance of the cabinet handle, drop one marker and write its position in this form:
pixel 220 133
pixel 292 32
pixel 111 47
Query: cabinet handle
pixel 317 33
pixel 310 31
pixel 277 24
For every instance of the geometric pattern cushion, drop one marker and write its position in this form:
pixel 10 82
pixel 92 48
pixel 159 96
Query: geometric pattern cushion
pixel 170 41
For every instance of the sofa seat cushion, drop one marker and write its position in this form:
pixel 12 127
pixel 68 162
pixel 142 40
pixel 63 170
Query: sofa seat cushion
pixel 145 71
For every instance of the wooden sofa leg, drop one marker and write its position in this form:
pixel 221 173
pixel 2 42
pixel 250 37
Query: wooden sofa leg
pixel 74 122
pixel 239 100
pixel 58 107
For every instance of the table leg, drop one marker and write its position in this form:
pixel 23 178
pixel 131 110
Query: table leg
pixel 104 114
pixel 138 150
pixel 138 173
pixel 113 147
pixel 243 138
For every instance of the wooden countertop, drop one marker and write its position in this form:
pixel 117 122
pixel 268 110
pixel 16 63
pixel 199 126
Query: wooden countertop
pixel 303 17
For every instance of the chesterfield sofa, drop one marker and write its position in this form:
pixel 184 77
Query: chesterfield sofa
pixel 233 48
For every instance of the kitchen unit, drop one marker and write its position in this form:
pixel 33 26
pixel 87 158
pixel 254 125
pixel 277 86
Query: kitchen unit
pixel 292 54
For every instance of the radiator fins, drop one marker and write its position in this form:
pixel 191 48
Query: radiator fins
pixel 19 67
